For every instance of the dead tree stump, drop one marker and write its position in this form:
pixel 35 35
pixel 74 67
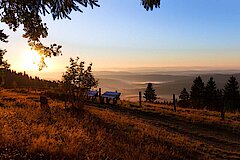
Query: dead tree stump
pixel 44 104
pixel 140 99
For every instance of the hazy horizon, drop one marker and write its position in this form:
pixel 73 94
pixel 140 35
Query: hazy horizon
pixel 57 75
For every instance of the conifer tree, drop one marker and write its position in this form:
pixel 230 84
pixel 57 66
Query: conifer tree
pixel 231 94
pixel 149 93
pixel 184 95
pixel 184 98
pixel 210 96
pixel 220 102
pixel 197 93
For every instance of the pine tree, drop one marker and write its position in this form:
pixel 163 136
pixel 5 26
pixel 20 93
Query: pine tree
pixel 231 95
pixel 184 98
pixel 149 93
pixel 210 96
pixel 197 93
pixel 220 103
pixel 184 95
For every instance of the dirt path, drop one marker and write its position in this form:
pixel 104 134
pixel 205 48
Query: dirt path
pixel 224 143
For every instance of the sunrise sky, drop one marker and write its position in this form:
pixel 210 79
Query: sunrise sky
pixel 121 34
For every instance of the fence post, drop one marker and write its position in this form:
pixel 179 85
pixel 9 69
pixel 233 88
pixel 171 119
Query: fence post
pixel 100 95
pixel 174 103
pixel 222 112
pixel 65 101
pixel 44 104
pixel 140 99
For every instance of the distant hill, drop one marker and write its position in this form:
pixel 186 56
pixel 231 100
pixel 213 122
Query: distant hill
pixel 164 84
pixel 143 77
pixel 13 79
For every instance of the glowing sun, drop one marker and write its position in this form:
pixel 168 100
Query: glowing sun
pixel 31 60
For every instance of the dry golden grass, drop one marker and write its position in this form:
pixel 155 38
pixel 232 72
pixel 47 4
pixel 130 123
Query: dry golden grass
pixel 232 120
pixel 110 132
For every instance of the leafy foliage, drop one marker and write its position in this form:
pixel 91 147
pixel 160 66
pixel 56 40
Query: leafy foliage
pixel 3 36
pixel 3 67
pixel 3 63
pixel 149 93
pixel 77 80
pixel 150 4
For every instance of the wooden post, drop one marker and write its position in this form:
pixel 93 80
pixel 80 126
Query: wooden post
pixel 115 100
pixel 140 99
pixel 174 103
pixel 222 112
pixel 44 104
pixel 100 95
pixel 65 101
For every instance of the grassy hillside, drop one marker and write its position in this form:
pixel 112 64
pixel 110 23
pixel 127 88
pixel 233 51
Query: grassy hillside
pixel 113 132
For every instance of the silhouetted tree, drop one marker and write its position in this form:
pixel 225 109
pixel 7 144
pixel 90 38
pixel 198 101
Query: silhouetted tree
pixel 150 4
pixel 29 14
pixel 149 93
pixel 184 95
pixel 184 98
pixel 3 36
pixel 197 93
pixel 231 95
pixel 220 102
pixel 13 79
pixel 3 67
pixel 77 81
pixel 3 63
pixel 210 94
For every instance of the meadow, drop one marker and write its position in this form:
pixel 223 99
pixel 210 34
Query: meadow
pixel 125 131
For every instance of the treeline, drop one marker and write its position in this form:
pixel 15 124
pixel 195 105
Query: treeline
pixel 12 79
pixel 210 97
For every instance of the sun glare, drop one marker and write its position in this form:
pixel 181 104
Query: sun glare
pixel 31 60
